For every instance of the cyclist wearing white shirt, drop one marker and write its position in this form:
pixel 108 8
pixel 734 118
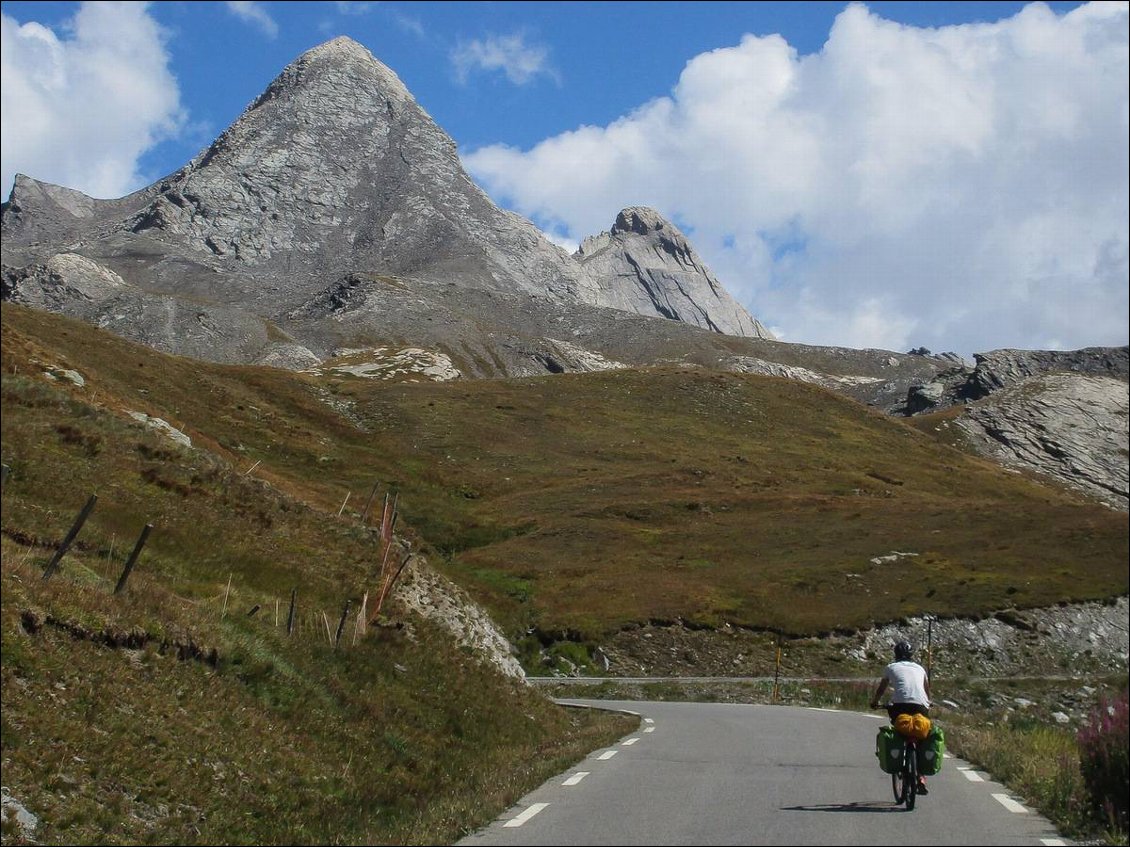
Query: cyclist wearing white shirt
pixel 910 689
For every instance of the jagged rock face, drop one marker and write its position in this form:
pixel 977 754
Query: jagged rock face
pixel 1002 368
pixel 1059 413
pixel 335 167
pixel 333 213
pixel 1070 427
pixel 644 264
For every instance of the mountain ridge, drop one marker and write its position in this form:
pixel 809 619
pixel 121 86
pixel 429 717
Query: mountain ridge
pixel 333 170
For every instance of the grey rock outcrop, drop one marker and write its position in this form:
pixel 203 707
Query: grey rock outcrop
pixel 1002 368
pixel 922 398
pixel 1061 414
pixel 1068 427
pixel 644 264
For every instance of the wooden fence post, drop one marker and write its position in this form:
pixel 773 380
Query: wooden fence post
pixel 777 672
pixel 53 565
pixel 227 591
pixel 121 586
pixel 341 623
pixel 369 502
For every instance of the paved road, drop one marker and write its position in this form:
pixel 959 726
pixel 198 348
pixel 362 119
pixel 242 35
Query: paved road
pixel 723 773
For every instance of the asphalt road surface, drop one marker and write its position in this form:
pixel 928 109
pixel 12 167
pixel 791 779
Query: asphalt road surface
pixel 724 773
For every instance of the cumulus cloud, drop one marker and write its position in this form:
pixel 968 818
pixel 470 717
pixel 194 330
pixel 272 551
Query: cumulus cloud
pixel 254 14
pixel 960 188
pixel 80 111
pixel 520 62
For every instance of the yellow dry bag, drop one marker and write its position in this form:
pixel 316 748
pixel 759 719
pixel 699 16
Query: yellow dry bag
pixel 913 726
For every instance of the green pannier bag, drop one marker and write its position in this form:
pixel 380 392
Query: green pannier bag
pixel 931 752
pixel 889 747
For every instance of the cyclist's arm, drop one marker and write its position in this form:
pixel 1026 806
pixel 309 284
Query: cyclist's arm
pixel 879 693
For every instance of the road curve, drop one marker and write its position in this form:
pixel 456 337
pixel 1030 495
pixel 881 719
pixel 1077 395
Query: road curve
pixel 725 773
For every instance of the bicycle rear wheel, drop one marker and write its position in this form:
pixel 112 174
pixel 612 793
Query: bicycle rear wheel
pixel 910 776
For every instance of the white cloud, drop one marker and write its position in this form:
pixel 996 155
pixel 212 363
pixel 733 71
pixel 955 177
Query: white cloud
pixel 510 54
pixel 80 111
pixel 409 23
pixel 254 14
pixel 353 7
pixel 959 188
pixel 569 245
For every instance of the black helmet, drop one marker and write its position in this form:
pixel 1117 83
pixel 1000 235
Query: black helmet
pixel 903 651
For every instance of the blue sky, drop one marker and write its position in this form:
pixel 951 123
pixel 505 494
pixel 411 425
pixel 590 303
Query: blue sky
pixel 891 174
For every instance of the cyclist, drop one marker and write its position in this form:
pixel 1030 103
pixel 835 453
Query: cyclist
pixel 910 689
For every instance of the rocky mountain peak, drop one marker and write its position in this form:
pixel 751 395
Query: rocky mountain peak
pixel 335 207
pixel 344 64
pixel 642 220
pixel 646 265
pixel 321 173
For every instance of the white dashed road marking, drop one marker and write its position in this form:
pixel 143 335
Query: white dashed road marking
pixel 630 742
pixel 1010 804
pixel 607 755
pixel 649 729
pixel 575 778
pixel 526 815
pixel 971 775
pixel 1053 842
pixel 649 720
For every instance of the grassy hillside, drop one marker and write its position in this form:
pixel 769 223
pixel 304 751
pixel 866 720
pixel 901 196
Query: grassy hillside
pixel 584 503
pixel 572 505
pixel 170 714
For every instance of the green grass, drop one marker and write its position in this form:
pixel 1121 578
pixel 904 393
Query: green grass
pixel 572 506
pixel 575 505
pixel 1039 760
pixel 167 714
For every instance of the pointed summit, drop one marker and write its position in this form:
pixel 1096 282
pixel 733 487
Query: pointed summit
pixel 646 265
pixel 336 168
pixel 343 53
pixel 335 212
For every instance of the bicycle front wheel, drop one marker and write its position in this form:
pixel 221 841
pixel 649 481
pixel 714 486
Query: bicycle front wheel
pixel 910 776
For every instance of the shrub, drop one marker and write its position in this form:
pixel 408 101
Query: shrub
pixel 1103 758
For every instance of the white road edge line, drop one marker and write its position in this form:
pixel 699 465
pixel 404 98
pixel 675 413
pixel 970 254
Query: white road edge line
pixel 649 720
pixel 1010 804
pixel 630 742
pixel 971 775
pixel 822 709
pixel 1053 842
pixel 575 778
pixel 607 755
pixel 526 815
pixel 649 729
